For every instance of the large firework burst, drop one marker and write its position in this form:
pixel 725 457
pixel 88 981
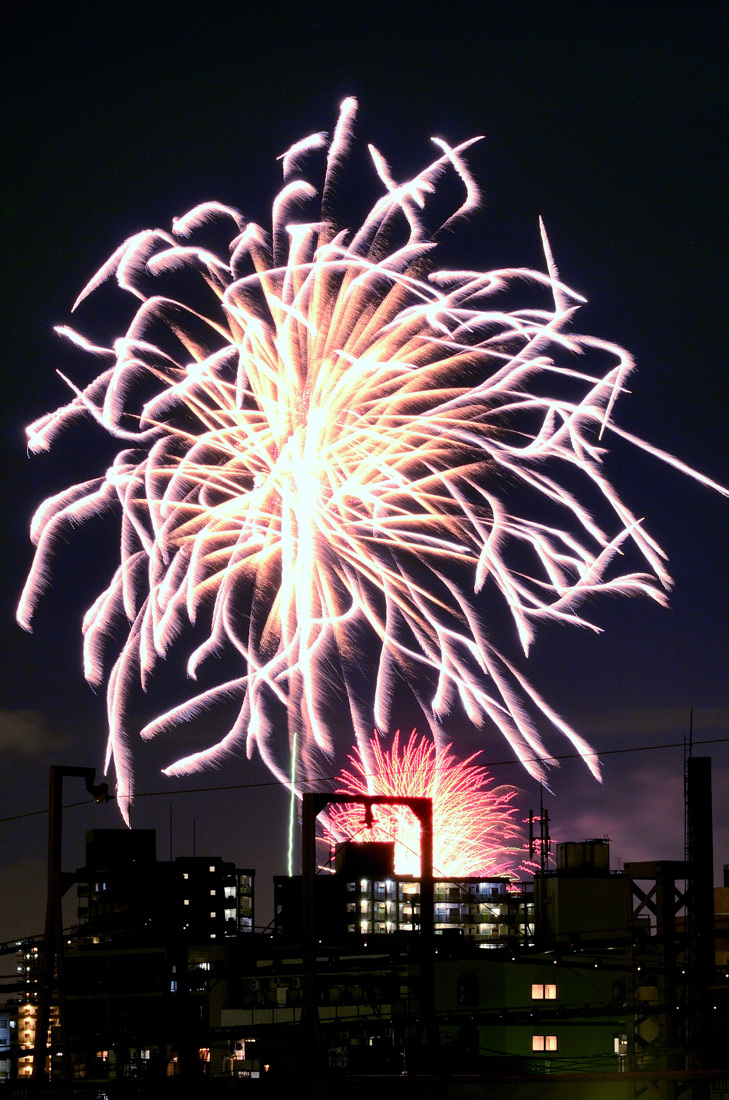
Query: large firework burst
pixel 476 830
pixel 332 469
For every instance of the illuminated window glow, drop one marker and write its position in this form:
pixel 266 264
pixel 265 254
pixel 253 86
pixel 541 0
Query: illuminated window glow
pixel 544 1042
pixel 544 992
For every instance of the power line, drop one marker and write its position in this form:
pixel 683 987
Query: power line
pixel 329 778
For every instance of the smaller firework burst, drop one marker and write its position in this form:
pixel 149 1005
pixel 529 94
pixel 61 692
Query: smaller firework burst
pixel 476 827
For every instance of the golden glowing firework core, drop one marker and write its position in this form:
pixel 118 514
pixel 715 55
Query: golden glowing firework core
pixel 334 469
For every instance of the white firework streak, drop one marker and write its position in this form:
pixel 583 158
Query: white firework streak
pixel 333 460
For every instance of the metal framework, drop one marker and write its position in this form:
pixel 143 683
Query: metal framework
pixel 312 1056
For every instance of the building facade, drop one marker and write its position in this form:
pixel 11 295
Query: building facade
pixel 127 895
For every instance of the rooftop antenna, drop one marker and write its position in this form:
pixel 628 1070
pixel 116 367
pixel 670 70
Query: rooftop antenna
pixel 541 845
pixel 545 845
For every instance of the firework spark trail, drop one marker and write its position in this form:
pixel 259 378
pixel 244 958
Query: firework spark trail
pixel 336 460
pixel 476 830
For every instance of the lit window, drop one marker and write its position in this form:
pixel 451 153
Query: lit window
pixel 212 893
pixel 185 875
pixel 620 1044
pixel 544 992
pixel 544 1042
pixel 213 915
pixel 186 901
pixel 212 869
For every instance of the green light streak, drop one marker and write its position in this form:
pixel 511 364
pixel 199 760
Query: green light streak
pixel 292 807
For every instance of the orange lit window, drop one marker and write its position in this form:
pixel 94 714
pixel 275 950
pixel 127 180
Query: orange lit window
pixel 544 1042
pixel 544 992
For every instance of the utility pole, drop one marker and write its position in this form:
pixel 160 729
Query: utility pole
pixel 52 954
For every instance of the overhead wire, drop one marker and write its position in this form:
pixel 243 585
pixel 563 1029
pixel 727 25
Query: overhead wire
pixel 169 792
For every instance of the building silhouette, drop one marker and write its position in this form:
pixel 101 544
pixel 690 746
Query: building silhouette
pixel 619 976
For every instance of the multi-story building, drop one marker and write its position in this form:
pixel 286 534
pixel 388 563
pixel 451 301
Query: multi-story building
pixel 136 971
pixel 8 1041
pixel 495 1012
pixel 25 1008
pixel 488 912
pixel 583 971
pixel 127 896
pixel 211 900
pixel 27 1012
pixel 364 897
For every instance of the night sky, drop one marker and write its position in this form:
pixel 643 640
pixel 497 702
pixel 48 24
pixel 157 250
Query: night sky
pixel 608 120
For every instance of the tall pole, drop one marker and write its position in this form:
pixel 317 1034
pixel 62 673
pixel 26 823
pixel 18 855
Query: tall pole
pixel 52 953
pixel 700 915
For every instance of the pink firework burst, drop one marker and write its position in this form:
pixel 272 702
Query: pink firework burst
pixel 476 829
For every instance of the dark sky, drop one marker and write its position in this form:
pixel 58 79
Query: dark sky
pixel 608 120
